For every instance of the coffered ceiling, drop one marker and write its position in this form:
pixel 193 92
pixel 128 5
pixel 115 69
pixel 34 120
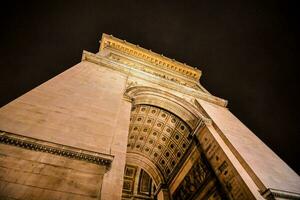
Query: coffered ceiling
pixel 158 135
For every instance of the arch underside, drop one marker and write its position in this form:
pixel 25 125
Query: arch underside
pixel 167 101
pixel 160 139
pixel 159 136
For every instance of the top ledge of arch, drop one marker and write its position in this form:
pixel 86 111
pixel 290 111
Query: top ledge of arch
pixel 108 41
pixel 91 57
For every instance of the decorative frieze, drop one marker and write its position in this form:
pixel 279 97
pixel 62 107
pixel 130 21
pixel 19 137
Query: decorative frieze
pixel 56 149
pixel 155 72
pixel 108 63
pixel 109 41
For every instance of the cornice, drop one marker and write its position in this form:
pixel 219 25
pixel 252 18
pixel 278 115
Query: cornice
pixel 56 149
pixel 162 81
pixel 108 41
pixel 271 194
pixel 163 73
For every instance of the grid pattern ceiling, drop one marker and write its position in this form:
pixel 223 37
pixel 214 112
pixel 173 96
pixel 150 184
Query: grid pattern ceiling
pixel 158 135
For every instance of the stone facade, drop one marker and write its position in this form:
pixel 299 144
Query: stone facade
pixel 127 123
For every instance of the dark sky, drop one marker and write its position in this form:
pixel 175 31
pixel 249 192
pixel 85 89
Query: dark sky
pixel 247 50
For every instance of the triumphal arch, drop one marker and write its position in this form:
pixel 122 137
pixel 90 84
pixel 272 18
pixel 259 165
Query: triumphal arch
pixel 128 123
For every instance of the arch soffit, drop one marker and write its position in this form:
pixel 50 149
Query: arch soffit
pixel 170 102
pixel 145 164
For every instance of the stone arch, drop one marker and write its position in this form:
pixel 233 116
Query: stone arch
pixel 147 165
pixel 139 150
pixel 170 102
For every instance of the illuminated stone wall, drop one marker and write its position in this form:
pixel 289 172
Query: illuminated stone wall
pixel 71 137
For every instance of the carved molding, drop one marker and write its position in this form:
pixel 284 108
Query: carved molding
pixel 140 160
pixel 272 194
pixel 108 63
pixel 56 149
pixel 156 72
pixel 108 41
pixel 156 97
pixel 126 97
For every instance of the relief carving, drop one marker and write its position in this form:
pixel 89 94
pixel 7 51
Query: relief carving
pixel 147 69
pixel 194 181
pixel 226 173
pixel 149 56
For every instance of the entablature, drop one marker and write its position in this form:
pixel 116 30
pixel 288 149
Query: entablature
pixel 158 61
pixel 162 73
pixel 153 78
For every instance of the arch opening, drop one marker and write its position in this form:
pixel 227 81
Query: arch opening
pixel 160 133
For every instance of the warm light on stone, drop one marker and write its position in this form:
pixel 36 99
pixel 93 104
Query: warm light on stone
pixel 128 123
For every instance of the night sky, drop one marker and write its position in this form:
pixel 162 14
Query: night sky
pixel 247 50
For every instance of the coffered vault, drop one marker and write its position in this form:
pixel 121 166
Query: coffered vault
pixel 158 135
pixel 128 123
